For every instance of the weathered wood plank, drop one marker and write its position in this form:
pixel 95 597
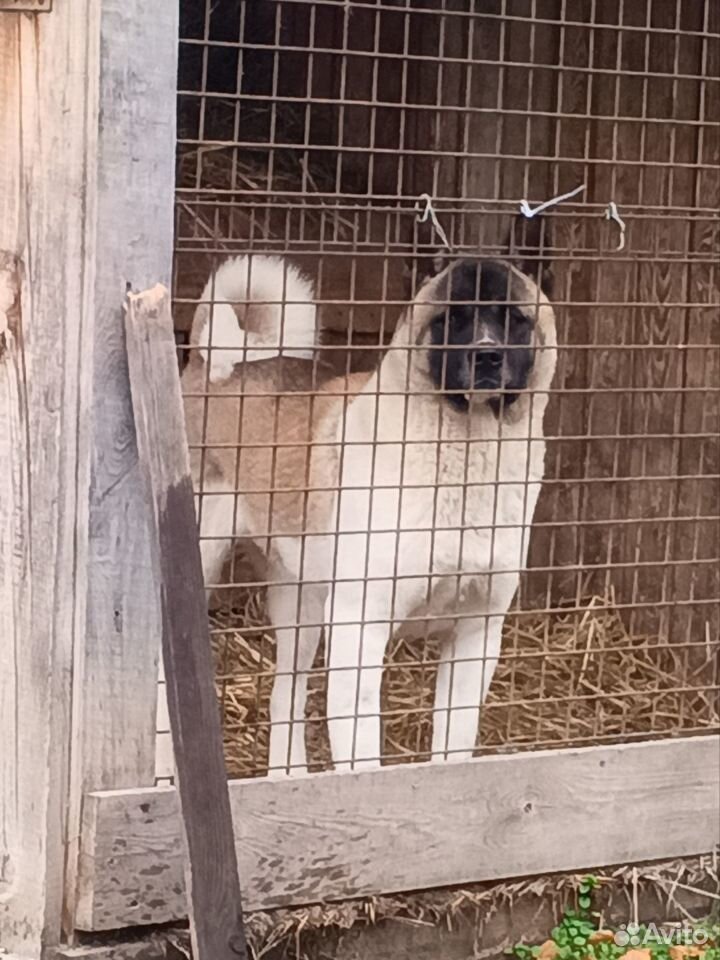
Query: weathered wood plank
pixel 47 70
pixel 14 526
pixel 82 84
pixel 700 446
pixel 136 159
pixel 153 948
pixel 330 836
pixel 14 518
pixel 211 868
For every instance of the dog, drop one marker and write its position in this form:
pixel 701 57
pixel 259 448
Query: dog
pixel 374 500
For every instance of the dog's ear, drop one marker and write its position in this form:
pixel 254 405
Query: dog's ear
pixel 440 261
pixel 528 247
pixel 426 268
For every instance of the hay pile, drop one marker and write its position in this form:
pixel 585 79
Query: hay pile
pixel 565 679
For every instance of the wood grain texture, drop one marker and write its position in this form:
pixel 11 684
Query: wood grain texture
pixel 211 867
pixel 136 164
pixel 153 948
pixel 47 68
pixel 14 526
pixel 699 455
pixel 81 86
pixel 329 836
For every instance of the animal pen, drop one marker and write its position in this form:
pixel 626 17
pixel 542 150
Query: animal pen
pixel 358 140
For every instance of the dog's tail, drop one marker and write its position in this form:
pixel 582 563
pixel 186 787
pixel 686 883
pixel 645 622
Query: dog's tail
pixel 253 308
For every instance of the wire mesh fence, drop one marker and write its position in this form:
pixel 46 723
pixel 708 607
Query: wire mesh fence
pixel 367 498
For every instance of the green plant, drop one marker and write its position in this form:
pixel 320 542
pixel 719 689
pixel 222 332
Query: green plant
pixel 572 938
pixel 585 890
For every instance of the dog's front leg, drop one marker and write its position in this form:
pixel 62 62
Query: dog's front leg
pixel 355 652
pixel 466 670
pixel 296 612
pixel 467 665
pixel 216 509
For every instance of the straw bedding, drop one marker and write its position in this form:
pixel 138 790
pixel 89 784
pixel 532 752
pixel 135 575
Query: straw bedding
pixel 565 678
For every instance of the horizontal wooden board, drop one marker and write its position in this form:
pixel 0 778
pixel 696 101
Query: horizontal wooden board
pixel 154 948
pixel 26 6
pixel 331 837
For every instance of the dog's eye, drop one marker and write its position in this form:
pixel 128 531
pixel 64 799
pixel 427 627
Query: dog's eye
pixel 464 324
pixel 517 323
pixel 453 326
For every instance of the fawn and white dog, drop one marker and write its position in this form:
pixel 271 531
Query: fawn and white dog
pixel 378 499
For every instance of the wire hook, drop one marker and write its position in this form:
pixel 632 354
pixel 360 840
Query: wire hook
pixel 611 213
pixel 428 213
pixel 527 211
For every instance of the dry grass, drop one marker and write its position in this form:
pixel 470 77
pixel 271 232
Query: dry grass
pixel 312 931
pixel 564 679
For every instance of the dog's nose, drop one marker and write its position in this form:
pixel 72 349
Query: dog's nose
pixel 489 356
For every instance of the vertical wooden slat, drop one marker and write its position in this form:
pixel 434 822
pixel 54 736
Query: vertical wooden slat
pixel 14 527
pixel 699 539
pixel 48 127
pixel 211 868
pixel 661 282
pixel 136 163
pixel 561 503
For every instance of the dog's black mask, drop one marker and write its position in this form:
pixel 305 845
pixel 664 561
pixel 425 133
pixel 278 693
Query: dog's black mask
pixel 481 346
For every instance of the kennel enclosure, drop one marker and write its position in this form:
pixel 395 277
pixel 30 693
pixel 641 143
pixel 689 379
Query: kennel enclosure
pixel 312 130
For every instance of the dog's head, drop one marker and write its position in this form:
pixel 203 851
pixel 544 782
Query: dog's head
pixel 487 324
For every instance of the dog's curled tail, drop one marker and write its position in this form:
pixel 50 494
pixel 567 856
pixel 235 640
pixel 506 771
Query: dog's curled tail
pixel 253 308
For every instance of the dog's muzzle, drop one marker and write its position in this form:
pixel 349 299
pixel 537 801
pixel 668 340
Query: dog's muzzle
pixel 488 361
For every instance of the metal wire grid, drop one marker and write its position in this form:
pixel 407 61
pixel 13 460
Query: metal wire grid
pixel 309 130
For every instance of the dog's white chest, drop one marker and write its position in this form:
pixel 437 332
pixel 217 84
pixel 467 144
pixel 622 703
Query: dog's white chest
pixel 436 516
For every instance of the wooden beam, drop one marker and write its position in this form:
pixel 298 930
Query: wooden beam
pixel 330 836
pixel 115 710
pixel 48 67
pixel 211 871
pixel 153 948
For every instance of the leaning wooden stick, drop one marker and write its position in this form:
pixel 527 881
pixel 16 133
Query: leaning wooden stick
pixel 213 887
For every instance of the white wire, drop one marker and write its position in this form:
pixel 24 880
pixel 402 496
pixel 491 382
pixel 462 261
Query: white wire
pixel 611 213
pixel 428 212
pixel 527 211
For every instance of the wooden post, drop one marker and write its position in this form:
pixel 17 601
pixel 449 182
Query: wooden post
pixel 48 69
pixel 211 868
pixel 87 128
pixel 135 162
